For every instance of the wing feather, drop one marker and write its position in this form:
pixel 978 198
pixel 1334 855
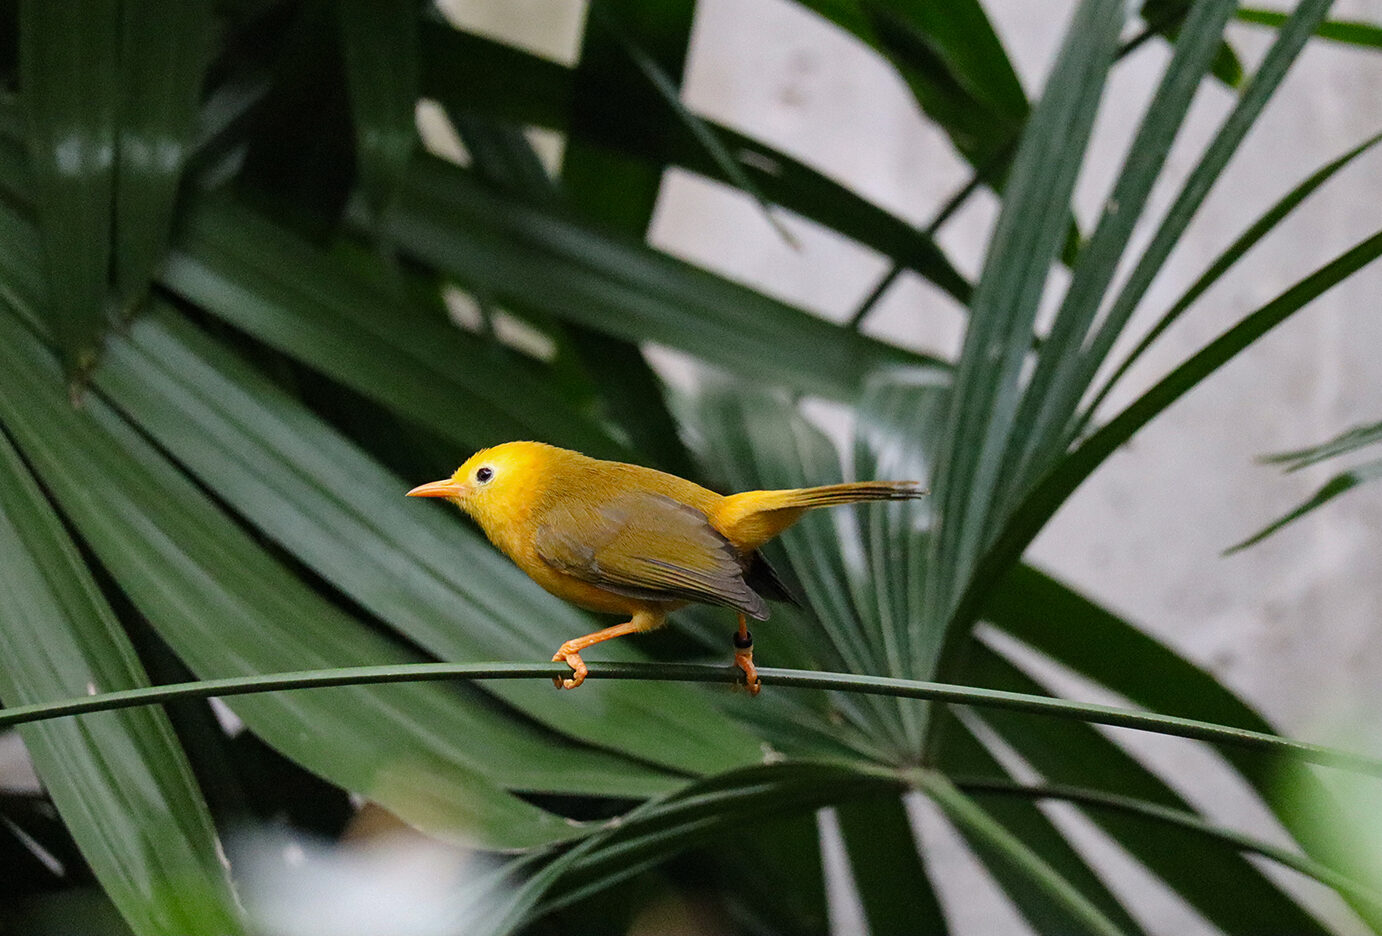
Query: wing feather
pixel 649 546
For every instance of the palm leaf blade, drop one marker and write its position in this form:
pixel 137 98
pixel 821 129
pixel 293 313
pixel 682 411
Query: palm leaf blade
pixel 321 311
pixel 888 869
pixel 1058 484
pixel 1077 913
pixel 71 96
pixel 1211 876
pixel 1268 77
pixel 224 606
pixel 379 43
pixel 964 758
pixel 540 259
pixel 1059 622
pixel 1030 230
pixel 1351 32
pixel 1049 399
pixel 459 69
pixel 1225 261
pixel 165 48
pixel 119 779
pixel 1342 444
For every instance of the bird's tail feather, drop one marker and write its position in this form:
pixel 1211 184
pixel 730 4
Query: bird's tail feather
pixel 752 518
pixel 852 493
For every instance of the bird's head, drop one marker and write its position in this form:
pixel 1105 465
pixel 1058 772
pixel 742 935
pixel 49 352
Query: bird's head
pixel 496 483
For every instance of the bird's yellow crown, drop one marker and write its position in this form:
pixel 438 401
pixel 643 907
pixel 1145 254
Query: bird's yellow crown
pixel 499 485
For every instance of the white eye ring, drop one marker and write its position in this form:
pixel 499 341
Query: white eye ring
pixel 484 474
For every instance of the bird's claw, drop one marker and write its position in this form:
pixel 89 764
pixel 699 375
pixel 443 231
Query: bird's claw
pixel 743 658
pixel 571 658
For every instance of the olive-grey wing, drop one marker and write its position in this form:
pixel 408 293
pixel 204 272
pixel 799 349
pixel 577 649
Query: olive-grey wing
pixel 649 546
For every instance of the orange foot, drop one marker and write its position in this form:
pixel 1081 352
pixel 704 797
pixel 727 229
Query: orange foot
pixel 571 656
pixel 743 658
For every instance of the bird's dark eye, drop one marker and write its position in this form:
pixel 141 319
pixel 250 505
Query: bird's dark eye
pixel 484 474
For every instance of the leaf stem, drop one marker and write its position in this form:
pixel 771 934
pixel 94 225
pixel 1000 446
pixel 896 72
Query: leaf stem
pixel 705 673
pixel 1156 812
pixel 856 321
pixel 971 817
pixel 701 131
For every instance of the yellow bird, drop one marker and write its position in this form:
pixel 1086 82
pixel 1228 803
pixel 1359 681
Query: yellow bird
pixel 624 539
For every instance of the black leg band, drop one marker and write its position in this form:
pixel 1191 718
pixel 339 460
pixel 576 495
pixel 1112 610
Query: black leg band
pixel 743 641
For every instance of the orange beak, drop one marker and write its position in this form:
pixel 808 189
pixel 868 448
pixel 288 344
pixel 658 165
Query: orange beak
pixel 447 487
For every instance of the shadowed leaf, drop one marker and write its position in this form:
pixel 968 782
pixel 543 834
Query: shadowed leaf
pixel 70 74
pixel 119 779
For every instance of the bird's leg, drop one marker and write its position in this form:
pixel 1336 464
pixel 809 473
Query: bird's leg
pixel 743 657
pixel 570 652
